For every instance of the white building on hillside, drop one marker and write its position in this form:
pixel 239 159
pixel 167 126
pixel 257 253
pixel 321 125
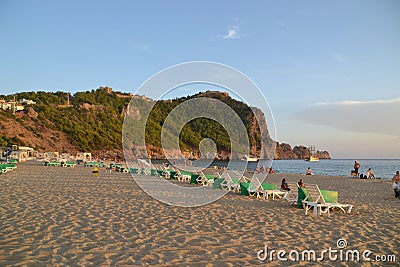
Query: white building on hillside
pixel 26 101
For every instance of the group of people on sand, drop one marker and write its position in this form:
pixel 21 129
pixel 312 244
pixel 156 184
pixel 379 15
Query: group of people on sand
pixel 264 169
pixel 285 186
pixel 369 175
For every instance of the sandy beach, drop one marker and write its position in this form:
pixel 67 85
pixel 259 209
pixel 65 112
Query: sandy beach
pixel 58 216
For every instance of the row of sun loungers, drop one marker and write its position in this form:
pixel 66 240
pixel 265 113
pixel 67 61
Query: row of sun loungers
pixel 59 163
pixel 118 167
pixel 310 198
pixel 95 164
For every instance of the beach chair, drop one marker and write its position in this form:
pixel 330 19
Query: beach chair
pixel 314 200
pixel 112 166
pixel 265 190
pixel 54 163
pixel 165 172
pixel 205 179
pixel 292 195
pixel 9 167
pixel 134 170
pixel 210 179
pixel 273 191
pixel 172 174
pixel 186 176
pixel 125 169
pixel 146 170
pixel 87 164
pixel 3 168
pixel 96 164
pixel 250 188
pixel 119 167
pixel 182 176
pixel 231 183
pixel 160 173
pixel 68 164
pixel 103 165
pixel 255 188
pixel 322 201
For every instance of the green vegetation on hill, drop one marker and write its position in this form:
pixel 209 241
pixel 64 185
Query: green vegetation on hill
pixel 94 127
pixel 93 119
pixel 200 128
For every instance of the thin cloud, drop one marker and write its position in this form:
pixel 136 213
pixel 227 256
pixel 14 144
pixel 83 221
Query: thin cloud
pixel 233 33
pixel 339 58
pixel 378 116
pixel 352 102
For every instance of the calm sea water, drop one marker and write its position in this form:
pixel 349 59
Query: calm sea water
pixel 382 168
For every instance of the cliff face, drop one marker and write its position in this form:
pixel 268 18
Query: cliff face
pixel 285 151
pixel 323 154
pixel 259 132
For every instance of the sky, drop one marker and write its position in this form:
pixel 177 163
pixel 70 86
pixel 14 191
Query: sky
pixel 328 69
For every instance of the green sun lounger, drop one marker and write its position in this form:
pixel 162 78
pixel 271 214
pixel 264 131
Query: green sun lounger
pixel 133 170
pixel 172 175
pixel 217 183
pixel 193 178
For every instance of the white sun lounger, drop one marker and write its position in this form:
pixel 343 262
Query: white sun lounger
pixel 315 200
pixel 292 195
pixel 231 184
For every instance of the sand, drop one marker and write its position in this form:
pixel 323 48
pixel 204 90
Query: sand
pixel 58 216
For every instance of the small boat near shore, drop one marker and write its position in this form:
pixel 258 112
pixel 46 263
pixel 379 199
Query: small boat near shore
pixel 250 159
pixel 312 159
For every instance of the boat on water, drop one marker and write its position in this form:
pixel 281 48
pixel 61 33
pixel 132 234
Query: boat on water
pixel 249 158
pixel 312 159
pixel 313 156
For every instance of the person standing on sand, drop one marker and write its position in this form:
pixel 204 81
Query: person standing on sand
pixel 370 174
pixel 356 167
pixel 396 177
pixel 396 184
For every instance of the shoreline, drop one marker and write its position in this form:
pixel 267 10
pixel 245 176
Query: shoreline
pixel 65 216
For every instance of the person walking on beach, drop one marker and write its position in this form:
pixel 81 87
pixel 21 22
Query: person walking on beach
pixel 356 167
pixel 370 174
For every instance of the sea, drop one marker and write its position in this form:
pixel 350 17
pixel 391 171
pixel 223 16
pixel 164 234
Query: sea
pixel 382 168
